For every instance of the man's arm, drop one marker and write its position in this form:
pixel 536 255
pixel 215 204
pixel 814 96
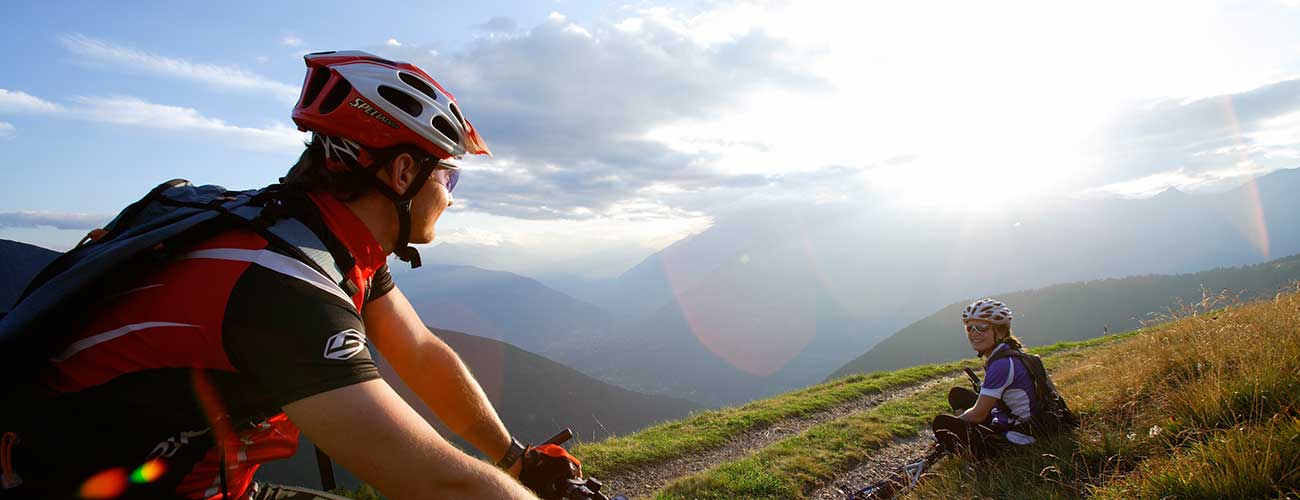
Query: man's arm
pixel 369 429
pixel 434 371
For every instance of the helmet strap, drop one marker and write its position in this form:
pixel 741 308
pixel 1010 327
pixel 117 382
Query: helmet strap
pixel 401 201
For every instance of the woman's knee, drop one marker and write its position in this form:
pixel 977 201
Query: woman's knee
pixel 961 398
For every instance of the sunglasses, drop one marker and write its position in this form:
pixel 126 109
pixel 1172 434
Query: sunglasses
pixel 447 174
pixel 447 177
pixel 977 327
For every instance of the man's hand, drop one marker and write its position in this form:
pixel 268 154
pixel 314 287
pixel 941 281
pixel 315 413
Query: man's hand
pixel 545 467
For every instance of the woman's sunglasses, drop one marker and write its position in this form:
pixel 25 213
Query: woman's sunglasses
pixel 978 327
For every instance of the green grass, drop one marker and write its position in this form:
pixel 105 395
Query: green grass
pixel 711 429
pixel 786 469
pixel 796 465
pixel 715 428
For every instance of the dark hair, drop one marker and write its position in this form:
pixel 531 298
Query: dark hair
pixel 310 174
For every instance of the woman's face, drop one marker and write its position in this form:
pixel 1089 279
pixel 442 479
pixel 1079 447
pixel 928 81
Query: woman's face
pixel 981 341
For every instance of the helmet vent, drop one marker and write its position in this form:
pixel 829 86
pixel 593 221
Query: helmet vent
pixel 315 82
pixel 455 110
pixel 336 95
pixel 401 100
pixel 441 123
pixel 417 84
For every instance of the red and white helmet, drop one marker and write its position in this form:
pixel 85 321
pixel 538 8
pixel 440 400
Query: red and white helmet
pixel 379 103
pixel 988 310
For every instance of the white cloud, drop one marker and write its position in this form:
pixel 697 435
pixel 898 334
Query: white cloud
pixel 131 60
pixel 132 111
pixel 1182 179
pixel 58 220
pixel 262 59
pixel 18 102
pixel 392 42
pixel 7 130
pixel 291 41
pixel 136 112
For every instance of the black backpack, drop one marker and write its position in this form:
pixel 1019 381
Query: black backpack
pixel 1053 414
pixel 148 233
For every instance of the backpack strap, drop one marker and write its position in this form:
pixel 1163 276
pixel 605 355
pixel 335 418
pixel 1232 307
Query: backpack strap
pixel 1024 358
pixel 287 218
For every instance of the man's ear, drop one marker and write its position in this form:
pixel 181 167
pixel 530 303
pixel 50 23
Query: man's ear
pixel 401 172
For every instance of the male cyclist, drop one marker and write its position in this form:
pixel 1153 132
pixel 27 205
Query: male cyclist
pixel 182 382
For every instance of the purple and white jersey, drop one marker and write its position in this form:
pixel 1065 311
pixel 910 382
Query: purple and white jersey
pixel 1008 380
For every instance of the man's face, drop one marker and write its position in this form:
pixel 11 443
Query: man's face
pixel 428 205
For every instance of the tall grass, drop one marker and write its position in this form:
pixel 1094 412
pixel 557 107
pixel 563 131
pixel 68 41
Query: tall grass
pixel 1202 407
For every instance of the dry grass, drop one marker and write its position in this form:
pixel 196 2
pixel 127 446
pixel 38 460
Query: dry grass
pixel 1204 406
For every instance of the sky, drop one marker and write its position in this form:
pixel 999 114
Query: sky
pixel 619 128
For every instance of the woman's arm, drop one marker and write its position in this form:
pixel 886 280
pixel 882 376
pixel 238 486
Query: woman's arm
pixel 431 369
pixel 979 413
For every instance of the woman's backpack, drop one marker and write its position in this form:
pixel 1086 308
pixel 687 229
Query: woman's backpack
pixel 1053 414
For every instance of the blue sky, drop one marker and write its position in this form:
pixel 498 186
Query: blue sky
pixel 621 127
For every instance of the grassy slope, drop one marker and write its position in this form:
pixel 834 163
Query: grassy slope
pixel 1205 407
pixel 794 466
pixel 713 428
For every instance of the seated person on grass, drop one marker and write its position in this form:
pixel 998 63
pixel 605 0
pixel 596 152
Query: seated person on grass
pixel 998 415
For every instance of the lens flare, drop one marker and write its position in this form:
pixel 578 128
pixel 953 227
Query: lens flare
pixel 149 472
pixel 1249 217
pixel 108 484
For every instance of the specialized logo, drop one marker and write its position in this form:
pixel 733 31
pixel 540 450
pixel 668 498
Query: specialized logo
pixel 345 344
pixel 168 448
pixel 338 147
pixel 375 113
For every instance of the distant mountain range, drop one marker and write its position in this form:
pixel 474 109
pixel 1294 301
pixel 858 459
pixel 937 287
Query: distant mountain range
pixel 772 300
pixel 1074 311
pixel 777 299
pixel 507 307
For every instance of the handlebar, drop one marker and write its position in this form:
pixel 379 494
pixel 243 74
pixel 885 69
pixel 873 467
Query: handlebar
pixel 974 380
pixel 579 489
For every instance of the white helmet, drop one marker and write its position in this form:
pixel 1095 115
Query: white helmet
pixel 988 310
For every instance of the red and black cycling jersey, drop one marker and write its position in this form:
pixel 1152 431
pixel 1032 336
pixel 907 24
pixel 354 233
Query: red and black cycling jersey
pixel 189 365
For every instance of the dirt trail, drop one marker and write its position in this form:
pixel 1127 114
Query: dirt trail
pixel 878 466
pixel 644 481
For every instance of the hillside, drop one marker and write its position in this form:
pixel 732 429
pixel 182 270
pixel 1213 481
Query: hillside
pixel 19 263
pixel 1073 311
pixel 504 306
pixel 1206 405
